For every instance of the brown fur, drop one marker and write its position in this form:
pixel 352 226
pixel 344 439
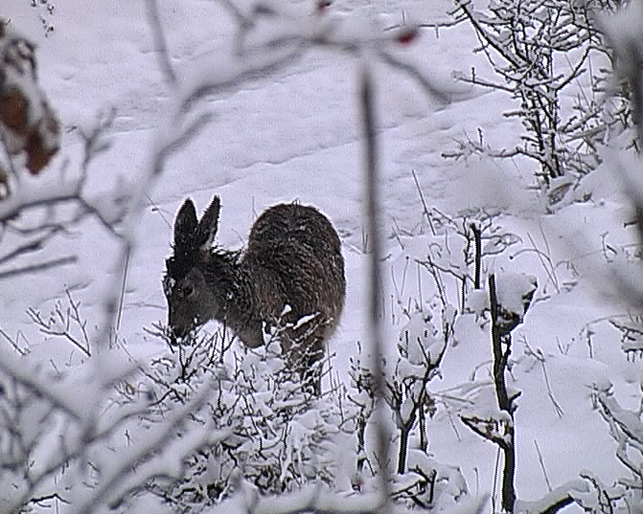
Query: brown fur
pixel 290 279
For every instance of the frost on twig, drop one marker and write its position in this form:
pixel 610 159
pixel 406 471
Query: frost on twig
pixel 626 428
pixel 65 322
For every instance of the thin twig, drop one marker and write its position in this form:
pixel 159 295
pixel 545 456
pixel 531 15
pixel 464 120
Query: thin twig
pixel 542 466
pixel 37 268
pixel 29 247
pixel 13 343
pixel 424 204
pixel 121 300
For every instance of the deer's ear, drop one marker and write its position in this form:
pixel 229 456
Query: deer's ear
pixel 185 226
pixel 209 223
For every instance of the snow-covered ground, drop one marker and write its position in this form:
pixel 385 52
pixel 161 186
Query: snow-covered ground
pixel 295 135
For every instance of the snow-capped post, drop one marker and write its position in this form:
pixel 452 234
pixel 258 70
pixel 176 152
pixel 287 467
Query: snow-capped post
pixel 501 333
pixel 508 306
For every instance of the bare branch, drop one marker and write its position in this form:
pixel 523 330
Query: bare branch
pixel 373 208
pixel 59 324
pixel 36 268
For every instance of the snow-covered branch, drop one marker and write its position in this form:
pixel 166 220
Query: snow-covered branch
pixel 541 52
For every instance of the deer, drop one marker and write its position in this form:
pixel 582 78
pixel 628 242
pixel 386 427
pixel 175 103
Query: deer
pixel 289 281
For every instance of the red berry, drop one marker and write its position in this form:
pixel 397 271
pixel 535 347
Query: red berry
pixel 407 36
pixel 323 5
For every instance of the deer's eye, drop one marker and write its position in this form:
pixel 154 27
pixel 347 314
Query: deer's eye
pixel 187 290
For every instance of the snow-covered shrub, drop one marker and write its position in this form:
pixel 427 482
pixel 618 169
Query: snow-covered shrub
pixel 455 257
pixel 280 435
pixel 429 484
pixel 421 348
pixel 65 436
pixel 626 428
pixel 545 53
pixel 449 260
pixel 417 479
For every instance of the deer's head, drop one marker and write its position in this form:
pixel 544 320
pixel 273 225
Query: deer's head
pixel 191 298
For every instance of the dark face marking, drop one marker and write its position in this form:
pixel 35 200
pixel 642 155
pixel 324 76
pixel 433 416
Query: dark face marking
pixel 191 303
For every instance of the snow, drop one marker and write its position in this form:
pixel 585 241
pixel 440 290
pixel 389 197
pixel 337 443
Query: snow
pixel 292 134
pixel 514 292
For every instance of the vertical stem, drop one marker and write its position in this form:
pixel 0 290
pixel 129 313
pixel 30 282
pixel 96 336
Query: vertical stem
pixel 508 476
pixel 424 442
pixel 403 450
pixel 499 358
pixel 160 43
pixel 361 445
pixel 121 301
pixel 477 238
pixel 637 113
pixel 504 402
pixel 637 92
pixel 375 284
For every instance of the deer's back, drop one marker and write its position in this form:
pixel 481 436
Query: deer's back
pixel 298 252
